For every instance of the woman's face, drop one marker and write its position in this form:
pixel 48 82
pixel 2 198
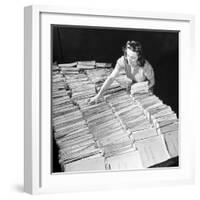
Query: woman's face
pixel 132 57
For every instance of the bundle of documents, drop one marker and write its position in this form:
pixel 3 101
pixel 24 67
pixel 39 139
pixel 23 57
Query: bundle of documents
pixel 152 150
pixel 73 137
pixel 55 69
pixel 163 119
pixel 171 139
pixel 67 65
pixel 123 81
pixel 92 163
pixel 114 88
pixel 80 86
pixel 129 113
pixel 70 70
pixel 140 87
pixel 86 64
pixel 58 78
pixel 125 161
pixel 103 65
pixel 104 125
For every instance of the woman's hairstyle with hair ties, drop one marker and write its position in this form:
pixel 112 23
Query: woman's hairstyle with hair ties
pixel 136 47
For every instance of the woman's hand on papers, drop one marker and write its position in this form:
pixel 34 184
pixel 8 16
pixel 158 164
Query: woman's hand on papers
pixel 94 100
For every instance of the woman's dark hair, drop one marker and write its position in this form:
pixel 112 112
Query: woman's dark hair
pixel 136 47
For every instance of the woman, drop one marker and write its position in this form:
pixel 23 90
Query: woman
pixel 135 66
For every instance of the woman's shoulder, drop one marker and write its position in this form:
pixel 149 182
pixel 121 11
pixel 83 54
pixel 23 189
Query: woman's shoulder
pixel 121 61
pixel 148 69
pixel 147 65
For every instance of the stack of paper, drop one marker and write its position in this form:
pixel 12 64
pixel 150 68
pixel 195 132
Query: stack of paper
pixel 80 86
pixel 171 139
pixel 125 161
pixel 163 119
pixel 152 150
pixel 123 81
pixel 66 65
pixel 140 87
pixel 55 69
pixel 114 88
pixel 103 65
pixel 86 64
pixel 92 163
pixel 73 138
pixel 104 125
pixel 129 113
pixel 62 105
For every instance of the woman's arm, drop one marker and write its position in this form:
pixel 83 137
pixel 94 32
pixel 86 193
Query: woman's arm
pixel 151 82
pixel 149 73
pixel 106 84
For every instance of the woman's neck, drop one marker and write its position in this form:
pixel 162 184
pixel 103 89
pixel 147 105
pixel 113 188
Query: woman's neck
pixel 131 65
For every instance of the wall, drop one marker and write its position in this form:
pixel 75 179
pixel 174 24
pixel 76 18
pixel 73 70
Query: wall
pixel 11 43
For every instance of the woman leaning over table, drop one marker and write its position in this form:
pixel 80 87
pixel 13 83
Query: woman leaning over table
pixel 136 68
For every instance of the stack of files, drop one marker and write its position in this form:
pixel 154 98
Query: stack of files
pixel 123 81
pixel 138 97
pixel 129 160
pixel 103 65
pixel 104 125
pixel 69 70
pixel 55 69
pixel 76 78
pixel 171 140
pixel 71 121
pixel 160 111
pixel 63 108
pixel 60 93
pixel 60 101
pixel 86 64
pixel 58 78
pixel 149 103
pixel 138 123
pixel 59 86
pixel 77 152
pixel 84 103
pixel 118 148
pixel 118 98
pixel 98 75
pixel 143 134
pixel 169 127
pixel 140 87
pixel 80 86
pixel 92 163
pixel 114 88
pixel 73 137
pixel 152 150
pixel 76 143
pixel 163 119
pixel 66 65
pixel 129 113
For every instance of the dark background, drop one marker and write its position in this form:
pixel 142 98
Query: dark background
pixel 160 48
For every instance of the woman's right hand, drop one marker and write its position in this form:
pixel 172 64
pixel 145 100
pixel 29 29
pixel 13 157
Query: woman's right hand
pixel 93 100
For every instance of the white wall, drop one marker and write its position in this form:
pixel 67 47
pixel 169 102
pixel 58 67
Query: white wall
pixel 11 101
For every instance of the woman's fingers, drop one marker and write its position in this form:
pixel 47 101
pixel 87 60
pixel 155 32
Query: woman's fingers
pixel 91 101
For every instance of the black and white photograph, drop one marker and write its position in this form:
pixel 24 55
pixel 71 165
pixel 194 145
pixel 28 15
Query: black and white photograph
pixel 114 99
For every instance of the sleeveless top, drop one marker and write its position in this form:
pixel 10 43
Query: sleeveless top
pixel 137 74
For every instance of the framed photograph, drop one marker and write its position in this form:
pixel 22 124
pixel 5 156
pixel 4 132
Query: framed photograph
pixel 107 102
